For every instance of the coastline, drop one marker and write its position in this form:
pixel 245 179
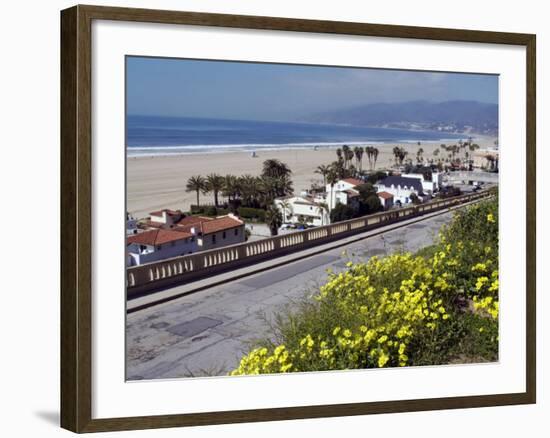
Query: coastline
pixel 156 181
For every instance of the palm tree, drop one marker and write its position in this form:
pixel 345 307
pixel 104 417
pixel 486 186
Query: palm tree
pixel 323 170
pixel 399 153
pixel 358 151
pixel 250 189
pixel 284 186
pixel 332 178
pixel 275 168
pixel 419 155
pixel 323 208
pixel 231 187
pixel 196 184
pixel 368 152
pixel 345 150
pixel 269 189
pixel 395 151
pixel 214 184
pixel 339 154
pixel 286 206
pixel 273 219
pixel 349 156
pixel 375 152
pixel 338 168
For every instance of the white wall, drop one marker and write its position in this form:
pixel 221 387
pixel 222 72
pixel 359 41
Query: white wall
pixel 29 87
pixel 167 250
pixel 230 239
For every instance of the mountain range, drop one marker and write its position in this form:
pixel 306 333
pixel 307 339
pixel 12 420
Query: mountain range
pixel 452 115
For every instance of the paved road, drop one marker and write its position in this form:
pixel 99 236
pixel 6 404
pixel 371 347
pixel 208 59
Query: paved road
pixel 205 333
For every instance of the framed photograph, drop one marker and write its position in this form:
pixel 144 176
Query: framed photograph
pixel 269 218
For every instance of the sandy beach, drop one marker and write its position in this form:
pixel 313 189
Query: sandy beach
pixel 156 182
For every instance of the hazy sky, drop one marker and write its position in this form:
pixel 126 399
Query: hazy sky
pixel 234 90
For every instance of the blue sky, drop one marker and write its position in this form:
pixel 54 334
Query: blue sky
pixel 254 91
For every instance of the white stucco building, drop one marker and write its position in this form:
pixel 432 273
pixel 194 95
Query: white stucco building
pixel 428 186
pixel 401 188
pixel 343 192
pixel 386 200
pixel 165 217
pixel 302 209
pixel 215 232
pixel 171 234
pixel 154 245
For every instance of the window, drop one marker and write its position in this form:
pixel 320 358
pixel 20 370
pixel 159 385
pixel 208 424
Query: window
pixel 159 247
pixel 236 231
pixel 213 238
pixel 223 235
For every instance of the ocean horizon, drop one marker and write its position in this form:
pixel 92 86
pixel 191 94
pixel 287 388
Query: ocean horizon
pixel 159 135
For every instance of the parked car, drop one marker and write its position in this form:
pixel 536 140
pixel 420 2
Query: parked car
pixel 288 227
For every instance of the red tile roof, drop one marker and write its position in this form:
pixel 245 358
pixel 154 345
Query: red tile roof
pixel 208 225
pixel 385 195
pixel 220 224
pixel 354 181
pixel 190 220
pixel 157 237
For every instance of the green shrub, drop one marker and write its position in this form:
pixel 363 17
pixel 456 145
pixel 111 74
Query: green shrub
pixel 438 306
pixel 342 212
pixel 210 211
pixel 255 214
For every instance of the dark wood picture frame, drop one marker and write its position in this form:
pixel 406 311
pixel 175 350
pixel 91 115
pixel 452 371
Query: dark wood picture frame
pixel 76 177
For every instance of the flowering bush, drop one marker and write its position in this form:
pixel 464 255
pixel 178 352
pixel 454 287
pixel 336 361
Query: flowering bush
pixel 398 310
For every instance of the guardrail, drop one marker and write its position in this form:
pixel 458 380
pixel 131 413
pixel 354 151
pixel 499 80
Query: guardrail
pixel 179 270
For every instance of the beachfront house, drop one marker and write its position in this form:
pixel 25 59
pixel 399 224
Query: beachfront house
pixel 171 233
pixel 401 188
pixel 303 210
pixel 343 192
pixel 431 181
pixel 166 217
pixel 214 232
pixel 158 244
pixel 386 199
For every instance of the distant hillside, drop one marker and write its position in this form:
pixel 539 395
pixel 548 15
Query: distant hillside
pixel 452 116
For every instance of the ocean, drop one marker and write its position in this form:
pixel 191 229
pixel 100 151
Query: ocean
pixel 153 135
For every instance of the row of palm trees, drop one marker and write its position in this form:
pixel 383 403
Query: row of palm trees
pixel 346 155
pixel 246 190
pixel 462 152
pixel 399 154
pixel 464 148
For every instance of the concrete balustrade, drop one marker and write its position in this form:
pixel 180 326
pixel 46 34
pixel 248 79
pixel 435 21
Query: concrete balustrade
pixel 171 272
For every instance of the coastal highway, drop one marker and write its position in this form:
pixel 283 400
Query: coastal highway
pixel 205 333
